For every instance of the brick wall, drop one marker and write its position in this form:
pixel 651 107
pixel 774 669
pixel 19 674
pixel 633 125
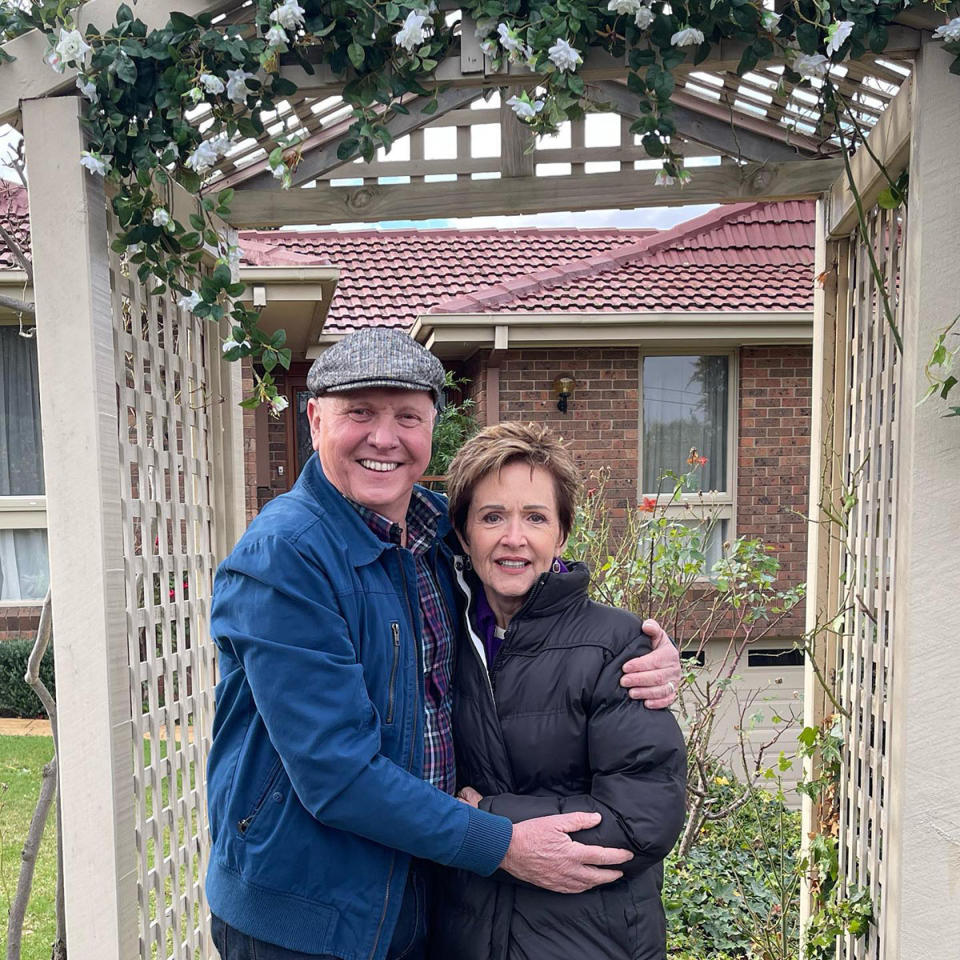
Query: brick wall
pixel 774 457
pixel 602 415
pixel 19 622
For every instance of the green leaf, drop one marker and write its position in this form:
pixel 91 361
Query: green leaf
pixel 268 360
pixel 181 23
pixel 807 37
pixel 430 107
pixel 225 197
pixel 391 11
pixel 356 54
pixel 653 145
pixel 283 87
pixel 196 221
pixel 347 148
pixel 124 14
pixel 126 70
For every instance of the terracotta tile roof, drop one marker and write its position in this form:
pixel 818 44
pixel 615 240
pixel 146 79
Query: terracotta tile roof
pixel 16 221
pixel 753 256
pixel 389 278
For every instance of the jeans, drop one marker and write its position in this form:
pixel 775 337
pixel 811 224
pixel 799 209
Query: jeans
pixel 408 943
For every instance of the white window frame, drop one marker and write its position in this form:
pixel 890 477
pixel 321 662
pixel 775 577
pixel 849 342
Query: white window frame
pixel 725 503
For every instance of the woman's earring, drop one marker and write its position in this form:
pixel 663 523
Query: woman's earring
pixel 556 565
pixel 467 563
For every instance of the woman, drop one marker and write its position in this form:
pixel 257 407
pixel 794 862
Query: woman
pixel 541 723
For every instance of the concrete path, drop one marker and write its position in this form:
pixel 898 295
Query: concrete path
pixel 15 727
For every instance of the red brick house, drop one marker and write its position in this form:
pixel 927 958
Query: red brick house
pixel 694 336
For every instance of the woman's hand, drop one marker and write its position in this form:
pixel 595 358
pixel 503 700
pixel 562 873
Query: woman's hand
pixel 654 677
pixel 469 795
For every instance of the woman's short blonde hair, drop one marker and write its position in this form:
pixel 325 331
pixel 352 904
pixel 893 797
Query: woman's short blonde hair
pixel 492 449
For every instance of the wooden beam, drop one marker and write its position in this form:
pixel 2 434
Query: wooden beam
pixel 726 131
pixel 320 157
pixel 256 209
pixel 598 65
pixel 29 77
pixel 889 140
pixel 516 140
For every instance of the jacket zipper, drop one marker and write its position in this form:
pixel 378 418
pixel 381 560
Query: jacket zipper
pixel 244 824
pixel 395 630
pixel 475 642
pixel 416 702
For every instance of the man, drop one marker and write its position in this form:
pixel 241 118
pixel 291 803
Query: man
pixel 331 771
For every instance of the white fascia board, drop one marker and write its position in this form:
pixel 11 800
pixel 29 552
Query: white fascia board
pixel 442 332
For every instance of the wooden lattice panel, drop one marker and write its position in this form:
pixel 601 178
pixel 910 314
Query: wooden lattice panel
pixel 865 654
pixel 168 394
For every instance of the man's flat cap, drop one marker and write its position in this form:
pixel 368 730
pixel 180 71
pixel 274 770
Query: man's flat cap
pixel 377 357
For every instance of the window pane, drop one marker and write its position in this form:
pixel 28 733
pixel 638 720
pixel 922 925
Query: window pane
pixel 685 406
pixel 21 454
pixel 24 573
pixel 302 427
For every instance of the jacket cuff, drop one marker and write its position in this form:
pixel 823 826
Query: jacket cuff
pixel 484 844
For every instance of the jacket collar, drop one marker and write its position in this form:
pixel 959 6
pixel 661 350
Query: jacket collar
pixel 365 545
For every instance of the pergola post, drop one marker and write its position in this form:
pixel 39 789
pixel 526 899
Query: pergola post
pixel 923 853
pixel 79 406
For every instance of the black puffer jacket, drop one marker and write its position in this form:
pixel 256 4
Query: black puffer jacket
pixel 552 731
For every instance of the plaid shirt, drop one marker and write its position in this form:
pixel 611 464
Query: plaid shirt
pixel 436 638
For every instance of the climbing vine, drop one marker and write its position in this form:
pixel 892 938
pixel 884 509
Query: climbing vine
pixel 144 90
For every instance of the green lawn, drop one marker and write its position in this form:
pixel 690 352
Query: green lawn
pixel 21 760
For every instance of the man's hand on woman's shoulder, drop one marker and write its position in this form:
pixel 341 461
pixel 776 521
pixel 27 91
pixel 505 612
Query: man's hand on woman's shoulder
pixel 654 677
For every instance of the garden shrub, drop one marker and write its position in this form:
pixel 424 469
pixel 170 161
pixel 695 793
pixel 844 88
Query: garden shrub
pixel 736 893
pixel 16 697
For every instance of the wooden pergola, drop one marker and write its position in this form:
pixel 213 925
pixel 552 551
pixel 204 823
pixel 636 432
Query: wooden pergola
pixel 179 473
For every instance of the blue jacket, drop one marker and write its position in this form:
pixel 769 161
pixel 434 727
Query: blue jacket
pixel 314 777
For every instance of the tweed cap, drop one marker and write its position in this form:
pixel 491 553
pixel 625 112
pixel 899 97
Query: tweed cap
pixel 377 357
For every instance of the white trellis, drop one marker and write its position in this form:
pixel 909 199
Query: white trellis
pixel 143 448
pixel 890 662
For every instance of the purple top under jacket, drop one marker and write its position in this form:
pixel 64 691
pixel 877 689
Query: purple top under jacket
pixel 486 623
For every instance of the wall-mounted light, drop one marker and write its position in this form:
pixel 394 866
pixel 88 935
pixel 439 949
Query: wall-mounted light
pixel 564 386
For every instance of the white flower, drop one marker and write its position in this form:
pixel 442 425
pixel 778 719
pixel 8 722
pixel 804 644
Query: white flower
pixel 414 31
pixel 95 162
pixel 663 180
pixel 190 301
pixel 524 108
pixel 276 36
pixel 811 64
pixel 289 15
pixel 949 31
pixel 564 56
pixel 72 47
pixel 623 7
pixel 160 217
pixel 509 39
pixel 54 59
pixel 687 37
pixel 211 83
pixel 88 88
pixel 838 31
pixel 203 158
pixel 237 85
pixel 231 344
pixel 645 16
pixel 278 405
pixel 489 47
pixel 769 20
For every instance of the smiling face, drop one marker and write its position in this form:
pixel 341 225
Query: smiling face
pixel 512 534
pixel 374 444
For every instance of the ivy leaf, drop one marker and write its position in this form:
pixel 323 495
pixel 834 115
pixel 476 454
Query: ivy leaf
pixel 356 54
pixel 807 37
pixel 124 14
pixel 348 147
pixel 181 23
pixel 283 87
pixel 748 60
pixel 430 107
